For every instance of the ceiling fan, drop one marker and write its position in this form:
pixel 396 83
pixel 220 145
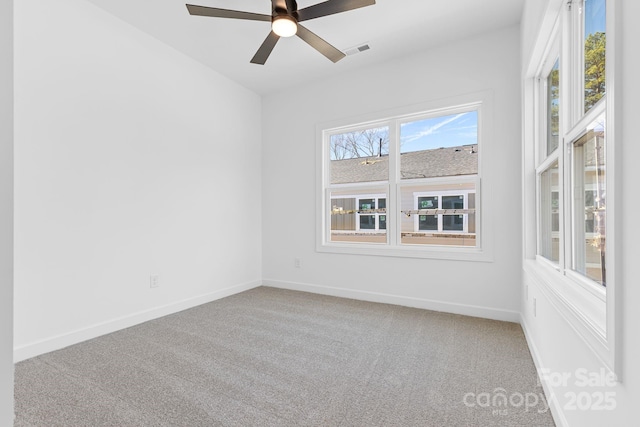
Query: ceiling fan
pixel 285 22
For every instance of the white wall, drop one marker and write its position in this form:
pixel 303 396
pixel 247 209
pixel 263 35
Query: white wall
pixel 6 213
pixel 556 345
pixel 486 63
pixel 131 159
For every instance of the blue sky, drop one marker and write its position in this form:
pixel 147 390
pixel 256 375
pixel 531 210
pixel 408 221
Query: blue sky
pixel 595 17
pixel 443 131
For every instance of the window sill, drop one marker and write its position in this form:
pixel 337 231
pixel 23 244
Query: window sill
pixel 583 310
pixel 457 253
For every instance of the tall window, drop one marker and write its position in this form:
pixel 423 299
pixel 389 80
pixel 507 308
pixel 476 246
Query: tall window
pixel 359 175
pixel 548 169
pixel 588 147
pixel 572 147
pixel 436 211
pixel 403 182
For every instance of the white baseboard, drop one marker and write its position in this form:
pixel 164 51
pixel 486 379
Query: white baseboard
pixel 554 406
pixel 64 340
pixel 447 307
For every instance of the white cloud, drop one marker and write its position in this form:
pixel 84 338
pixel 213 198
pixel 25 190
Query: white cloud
pixel 432 129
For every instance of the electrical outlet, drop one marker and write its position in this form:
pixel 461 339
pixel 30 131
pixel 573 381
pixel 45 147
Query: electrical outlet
pixel 297 262
pixel 154 281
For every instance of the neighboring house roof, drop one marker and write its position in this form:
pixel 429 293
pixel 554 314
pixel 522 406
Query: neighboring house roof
pixel 451 161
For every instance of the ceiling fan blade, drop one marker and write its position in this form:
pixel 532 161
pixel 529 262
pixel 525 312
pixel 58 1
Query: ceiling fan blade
pixel 319 44
pixel 278 4
pixel 225 13
pixel 292 6
pixel 263 53
pixel 331 7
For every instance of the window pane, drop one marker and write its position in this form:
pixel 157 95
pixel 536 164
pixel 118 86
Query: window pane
pixel 452 222
pixel 589 210
pixel 471 204
pixel 594 51
pixel 355 216
pixel 424 220
pixel 367 222
pixel 439 146
pixel 549 216
pixel 553 107
pixel 382 219
pixel 361 156
pixel 367 204
pixel 428 222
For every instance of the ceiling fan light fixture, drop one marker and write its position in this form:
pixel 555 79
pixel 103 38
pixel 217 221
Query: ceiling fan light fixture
pixel 284 26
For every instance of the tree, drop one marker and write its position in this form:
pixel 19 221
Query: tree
pixel 554 110
pixel 594 90
pixel 339 147
pixel 364 143
pixel 594 69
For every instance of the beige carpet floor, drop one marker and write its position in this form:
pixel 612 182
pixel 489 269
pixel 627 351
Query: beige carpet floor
pixel 270 357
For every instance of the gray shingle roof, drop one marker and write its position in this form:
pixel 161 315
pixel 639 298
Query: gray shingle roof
pixel 451 161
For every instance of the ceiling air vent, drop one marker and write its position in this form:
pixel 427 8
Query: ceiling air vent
pixel 357 49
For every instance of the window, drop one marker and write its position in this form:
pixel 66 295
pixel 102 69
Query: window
pixel 549 214
pixel 446 217
pixel 592 39
pixel 429 222
pixel 589 202
pixel 588 147
pixel 571 183
pixel 548 171
pixel 358 218
pixel 575 189
pixel 359 177
pixel 403 184
pixel 552 106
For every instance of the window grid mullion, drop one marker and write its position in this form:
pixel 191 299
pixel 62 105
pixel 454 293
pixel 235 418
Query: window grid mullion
pixel 393 213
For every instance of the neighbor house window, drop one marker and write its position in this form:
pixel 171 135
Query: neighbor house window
pixel 404 182
pixel 444 217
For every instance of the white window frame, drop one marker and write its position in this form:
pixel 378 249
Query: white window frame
pixel 482 102
pixel 593 311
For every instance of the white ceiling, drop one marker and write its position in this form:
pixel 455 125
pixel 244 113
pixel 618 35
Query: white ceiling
pixel 392 28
